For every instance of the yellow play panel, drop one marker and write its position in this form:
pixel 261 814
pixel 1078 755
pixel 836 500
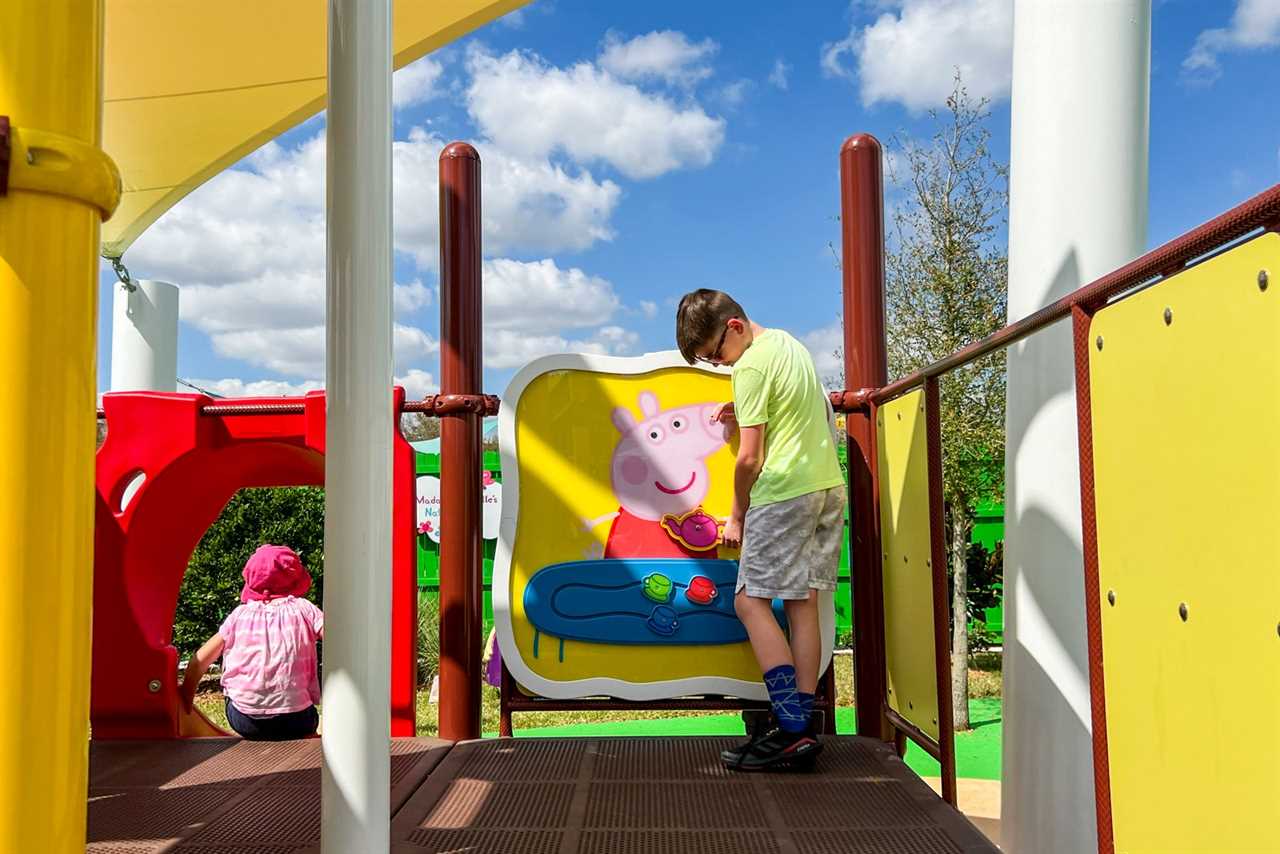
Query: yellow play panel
pixel 1185 381
pixel 908 582
pixel 567 436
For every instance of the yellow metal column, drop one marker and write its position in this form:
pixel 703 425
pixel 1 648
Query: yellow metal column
pixel 51 90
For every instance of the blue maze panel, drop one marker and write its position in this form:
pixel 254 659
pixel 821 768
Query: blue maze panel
pixel 678 601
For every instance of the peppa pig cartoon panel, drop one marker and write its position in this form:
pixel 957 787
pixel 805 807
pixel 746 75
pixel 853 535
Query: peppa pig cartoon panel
pixel 610 576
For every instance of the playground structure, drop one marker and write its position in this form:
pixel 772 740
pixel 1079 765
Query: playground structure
pixel 169 464
pixel 1131 315
pixel 1169 774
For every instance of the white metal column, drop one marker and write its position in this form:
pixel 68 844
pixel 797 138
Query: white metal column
pixel 355 790
pixel 144 337
pixel 1078 209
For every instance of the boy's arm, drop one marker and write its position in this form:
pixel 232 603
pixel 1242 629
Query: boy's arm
pixel 197 667
pixel 745 472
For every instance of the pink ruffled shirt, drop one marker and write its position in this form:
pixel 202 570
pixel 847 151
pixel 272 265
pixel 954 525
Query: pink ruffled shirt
pixel 269 662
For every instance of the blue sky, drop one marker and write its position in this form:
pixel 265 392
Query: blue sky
pixel 633 152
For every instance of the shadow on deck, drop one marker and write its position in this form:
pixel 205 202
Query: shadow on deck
pixel 532 796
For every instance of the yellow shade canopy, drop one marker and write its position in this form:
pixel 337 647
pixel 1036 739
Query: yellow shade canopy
pixel 193 86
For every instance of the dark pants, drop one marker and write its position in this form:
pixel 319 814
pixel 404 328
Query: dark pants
pixel 274 728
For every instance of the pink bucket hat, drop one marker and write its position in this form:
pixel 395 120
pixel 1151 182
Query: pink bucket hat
pixel 273 572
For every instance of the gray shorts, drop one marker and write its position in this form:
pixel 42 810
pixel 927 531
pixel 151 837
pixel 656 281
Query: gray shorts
pixel 792 546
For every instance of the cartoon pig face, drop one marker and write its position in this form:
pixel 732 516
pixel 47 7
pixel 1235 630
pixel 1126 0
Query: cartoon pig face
pixel 659 464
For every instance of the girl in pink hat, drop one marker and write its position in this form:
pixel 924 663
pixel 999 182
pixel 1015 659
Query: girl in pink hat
pixel 268 649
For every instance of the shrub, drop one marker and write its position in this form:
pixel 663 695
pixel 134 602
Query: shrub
pixel 286 516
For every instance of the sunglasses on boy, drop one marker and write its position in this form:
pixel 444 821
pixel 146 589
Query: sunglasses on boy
pixel 714 358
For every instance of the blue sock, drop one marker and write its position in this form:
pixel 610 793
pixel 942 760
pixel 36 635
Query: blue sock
pixel 806 704
pixel 787 707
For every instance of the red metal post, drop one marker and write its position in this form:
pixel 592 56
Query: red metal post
pixel 941 607
pixel 1081 322
pixel 865 366
pixel 460 497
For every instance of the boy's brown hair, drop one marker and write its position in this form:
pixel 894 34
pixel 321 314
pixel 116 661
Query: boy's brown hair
pixel 701 316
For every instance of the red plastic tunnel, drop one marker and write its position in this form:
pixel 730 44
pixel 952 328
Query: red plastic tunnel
pixel 183 467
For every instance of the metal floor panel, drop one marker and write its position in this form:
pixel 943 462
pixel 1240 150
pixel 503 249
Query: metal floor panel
pixel 522 796
pixel 222 795
pixel 660 795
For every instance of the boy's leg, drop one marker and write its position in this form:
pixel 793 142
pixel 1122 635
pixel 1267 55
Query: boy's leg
pixel 806 640
pixel 773 564
pixel 767 640
pixel 774 656
pixel 806 647
pixel 821 556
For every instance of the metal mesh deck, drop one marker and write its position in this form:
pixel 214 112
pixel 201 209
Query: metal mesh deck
pixel 223 795
pixel 672 796
pixel 625 795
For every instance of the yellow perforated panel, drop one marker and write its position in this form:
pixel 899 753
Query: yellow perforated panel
pixel 1186 442
pixel 908 584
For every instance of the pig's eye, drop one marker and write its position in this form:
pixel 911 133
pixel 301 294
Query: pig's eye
pixel 677 424
pixel 656 434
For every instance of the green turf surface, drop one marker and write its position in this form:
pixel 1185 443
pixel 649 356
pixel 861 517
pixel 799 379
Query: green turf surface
pixel 977 751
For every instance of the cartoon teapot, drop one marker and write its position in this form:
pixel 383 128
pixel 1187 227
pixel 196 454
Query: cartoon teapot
pixel 694 530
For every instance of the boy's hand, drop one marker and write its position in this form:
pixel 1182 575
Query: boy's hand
pixel 732 535
pixel 725 415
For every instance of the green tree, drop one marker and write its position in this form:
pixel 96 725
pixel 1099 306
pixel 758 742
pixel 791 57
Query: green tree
pixel 286 516
pixel 946 285
pixel 417 426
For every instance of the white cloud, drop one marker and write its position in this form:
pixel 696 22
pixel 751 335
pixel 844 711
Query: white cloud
pixel 271 298
pixel 533 110
pixel 515 20
pixel 538 296
pixel 528 203
pixel 233 387
pixel 300 351
pixel 649 309
pixel 733 94
pixel 248 248
pixel 1254 26
pixel 417 384
pixel 665 55
pixel 530 309
pixel 778 77
pixel 506 348
pixel 823 344
pixel 268 215
pixel 416 82
pixel 275 299
pixel 910 55
pixel 411 297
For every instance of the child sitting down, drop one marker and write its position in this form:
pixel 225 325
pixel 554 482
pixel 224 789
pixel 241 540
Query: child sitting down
pixel 268 649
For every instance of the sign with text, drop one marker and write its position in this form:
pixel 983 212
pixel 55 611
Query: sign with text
pixel 429 506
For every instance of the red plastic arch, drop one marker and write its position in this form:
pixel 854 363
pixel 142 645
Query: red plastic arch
pixel 192 464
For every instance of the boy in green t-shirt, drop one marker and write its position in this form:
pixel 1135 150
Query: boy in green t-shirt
pixel 788 509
